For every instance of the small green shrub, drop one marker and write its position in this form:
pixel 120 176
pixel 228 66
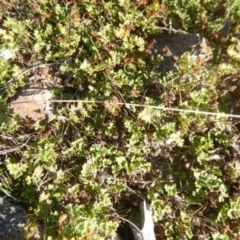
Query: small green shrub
pixel 80 169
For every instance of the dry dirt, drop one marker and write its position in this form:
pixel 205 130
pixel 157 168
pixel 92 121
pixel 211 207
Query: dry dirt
pixel 32 100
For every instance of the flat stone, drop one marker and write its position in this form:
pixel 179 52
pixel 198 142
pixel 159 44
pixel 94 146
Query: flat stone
pixel 176 44
pixel 33 99
pixel 13 220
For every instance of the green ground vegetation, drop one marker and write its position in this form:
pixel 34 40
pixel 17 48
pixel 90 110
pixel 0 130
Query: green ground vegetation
pixel 89 165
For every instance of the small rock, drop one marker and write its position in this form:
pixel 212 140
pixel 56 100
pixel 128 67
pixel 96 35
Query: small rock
pixel 7 54
pixel 33 100
pixel 174 45
pixel 13 219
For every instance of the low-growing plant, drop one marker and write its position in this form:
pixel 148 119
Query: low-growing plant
pixel 107 147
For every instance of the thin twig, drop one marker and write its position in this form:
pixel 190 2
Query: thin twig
pixel 5 151
pixel 25 72
pixel 170 29
pixel 138 105
pixel 230 9
pixel 6 137
pixel 132 224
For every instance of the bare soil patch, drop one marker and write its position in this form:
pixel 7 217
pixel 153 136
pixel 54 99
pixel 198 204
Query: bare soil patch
pixel 32 100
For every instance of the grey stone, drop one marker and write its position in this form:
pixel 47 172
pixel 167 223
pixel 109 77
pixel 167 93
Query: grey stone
pixel 13 220
pixel 177 44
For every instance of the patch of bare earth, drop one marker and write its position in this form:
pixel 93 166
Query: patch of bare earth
pixel 32 100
